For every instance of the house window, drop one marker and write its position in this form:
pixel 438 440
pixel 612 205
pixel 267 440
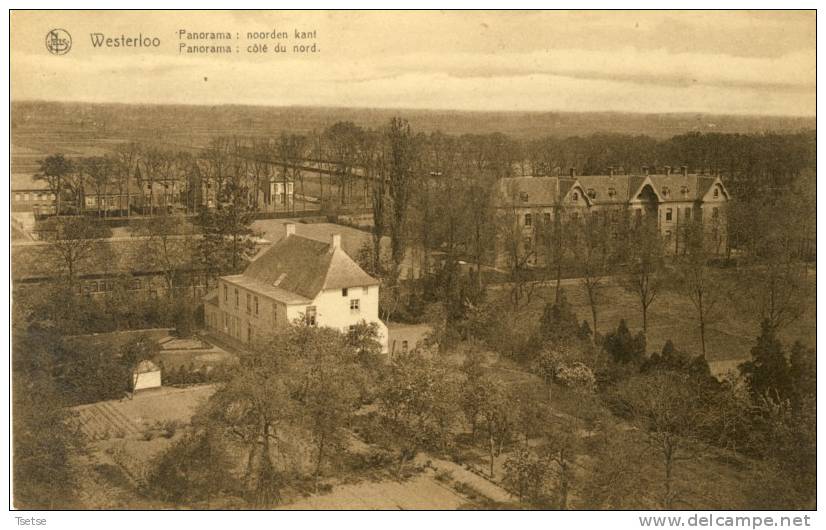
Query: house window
pixel 256 305
pixel 592 193
pixel 275 312
pixel 684 190
pixel 668 214
pixel 310 315
pixel 668 235
pixel 688 214
pixel 18 197
pixel 404 346
pixel 523 197
pixel 716 192
pixel 666 191
pixel 354 304
pixel 249 303
pixel 249 332
pixel 547 218
pixel 226 294
pixel 575 196
pixel 365 290
pixel 236 297
pixel 715 213
pixel 612 192
pixel 575 217
pixel 226 322
pixel 344 292
pixel 528 219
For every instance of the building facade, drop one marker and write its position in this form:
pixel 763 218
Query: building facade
pixel 296 280
pixel 675 200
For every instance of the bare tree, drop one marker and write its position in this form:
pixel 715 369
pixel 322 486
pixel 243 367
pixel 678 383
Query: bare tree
pixel 645 267
pixel 54 170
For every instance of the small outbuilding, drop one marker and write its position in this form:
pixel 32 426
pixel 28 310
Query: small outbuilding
pixel 146 375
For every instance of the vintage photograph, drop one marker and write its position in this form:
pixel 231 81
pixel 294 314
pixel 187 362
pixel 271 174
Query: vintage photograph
pixel 413 260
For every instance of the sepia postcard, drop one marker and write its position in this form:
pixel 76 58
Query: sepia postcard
pixel 414 260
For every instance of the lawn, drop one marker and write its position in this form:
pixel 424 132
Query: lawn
pixel 729 337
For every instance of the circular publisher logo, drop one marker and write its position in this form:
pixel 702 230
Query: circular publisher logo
pixel 58 41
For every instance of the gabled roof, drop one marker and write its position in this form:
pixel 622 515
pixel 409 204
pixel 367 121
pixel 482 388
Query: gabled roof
pixel 304 267
pixel 540 190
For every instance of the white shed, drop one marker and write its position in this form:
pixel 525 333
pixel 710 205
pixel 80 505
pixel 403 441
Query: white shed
pixel 146 375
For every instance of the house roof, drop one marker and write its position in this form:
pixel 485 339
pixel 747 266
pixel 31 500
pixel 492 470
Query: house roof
pixel 300 266
pixel 146 366
pixel 603 189
pixel 540 190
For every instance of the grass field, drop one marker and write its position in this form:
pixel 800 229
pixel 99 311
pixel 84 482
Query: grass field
pixel 729 337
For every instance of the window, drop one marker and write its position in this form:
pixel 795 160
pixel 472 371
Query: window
pixel 592 193
pixel 18 196
pixel 275 312
pixel 684 190
pixel 236 297
pixel 716 192
pixel 715 213
pixel 668 214
pixel 354 304
pixel 575 217
pixel 404 346
pixel 365 290
pixel 528 219
pixel 249 332
pixel 612 192
pixel 310 315
pixel 575 196
pixel 668 235
pixel 249 303
pixel 344 292
pixel 614 217
pixel 688 214
pixel 547 217
pixel 226 294
pixel 136 284
pixel 523 197
pixel 226 322
pixel 256 305
pixel 666 191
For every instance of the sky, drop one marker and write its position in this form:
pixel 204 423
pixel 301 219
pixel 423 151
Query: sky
pixel 760 63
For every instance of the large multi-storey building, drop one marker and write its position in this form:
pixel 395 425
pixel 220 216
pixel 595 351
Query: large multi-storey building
pixel 296 279
pixel 673 199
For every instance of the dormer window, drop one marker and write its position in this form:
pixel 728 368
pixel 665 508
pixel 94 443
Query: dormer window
pixel 592 193
pixel 666 191
pixel 684 190
pixel 612 192
pixel 575 196
pixel 716 192
pixel 523 196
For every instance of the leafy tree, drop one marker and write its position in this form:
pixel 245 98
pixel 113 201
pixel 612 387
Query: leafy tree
pixel 72 243
pixel 54 170
pixel 401 157
pixel 194 469
pixel 44 438
pixel 495 416
pixel 417 405
pixel 526 474
pixel 667 409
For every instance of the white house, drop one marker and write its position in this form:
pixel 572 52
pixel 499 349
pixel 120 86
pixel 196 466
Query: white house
pixel 295 278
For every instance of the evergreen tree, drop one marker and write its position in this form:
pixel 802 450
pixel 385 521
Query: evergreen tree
pixel 624 347
pixel 768 371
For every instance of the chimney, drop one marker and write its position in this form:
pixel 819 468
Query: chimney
pixel 667 170
pixel 573 172
pixel 611 171
pixel 684 169
pixel 289 229
pixel 645 170
pixel 335 241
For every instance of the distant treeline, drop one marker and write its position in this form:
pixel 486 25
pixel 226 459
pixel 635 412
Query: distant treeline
pixel 192 120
